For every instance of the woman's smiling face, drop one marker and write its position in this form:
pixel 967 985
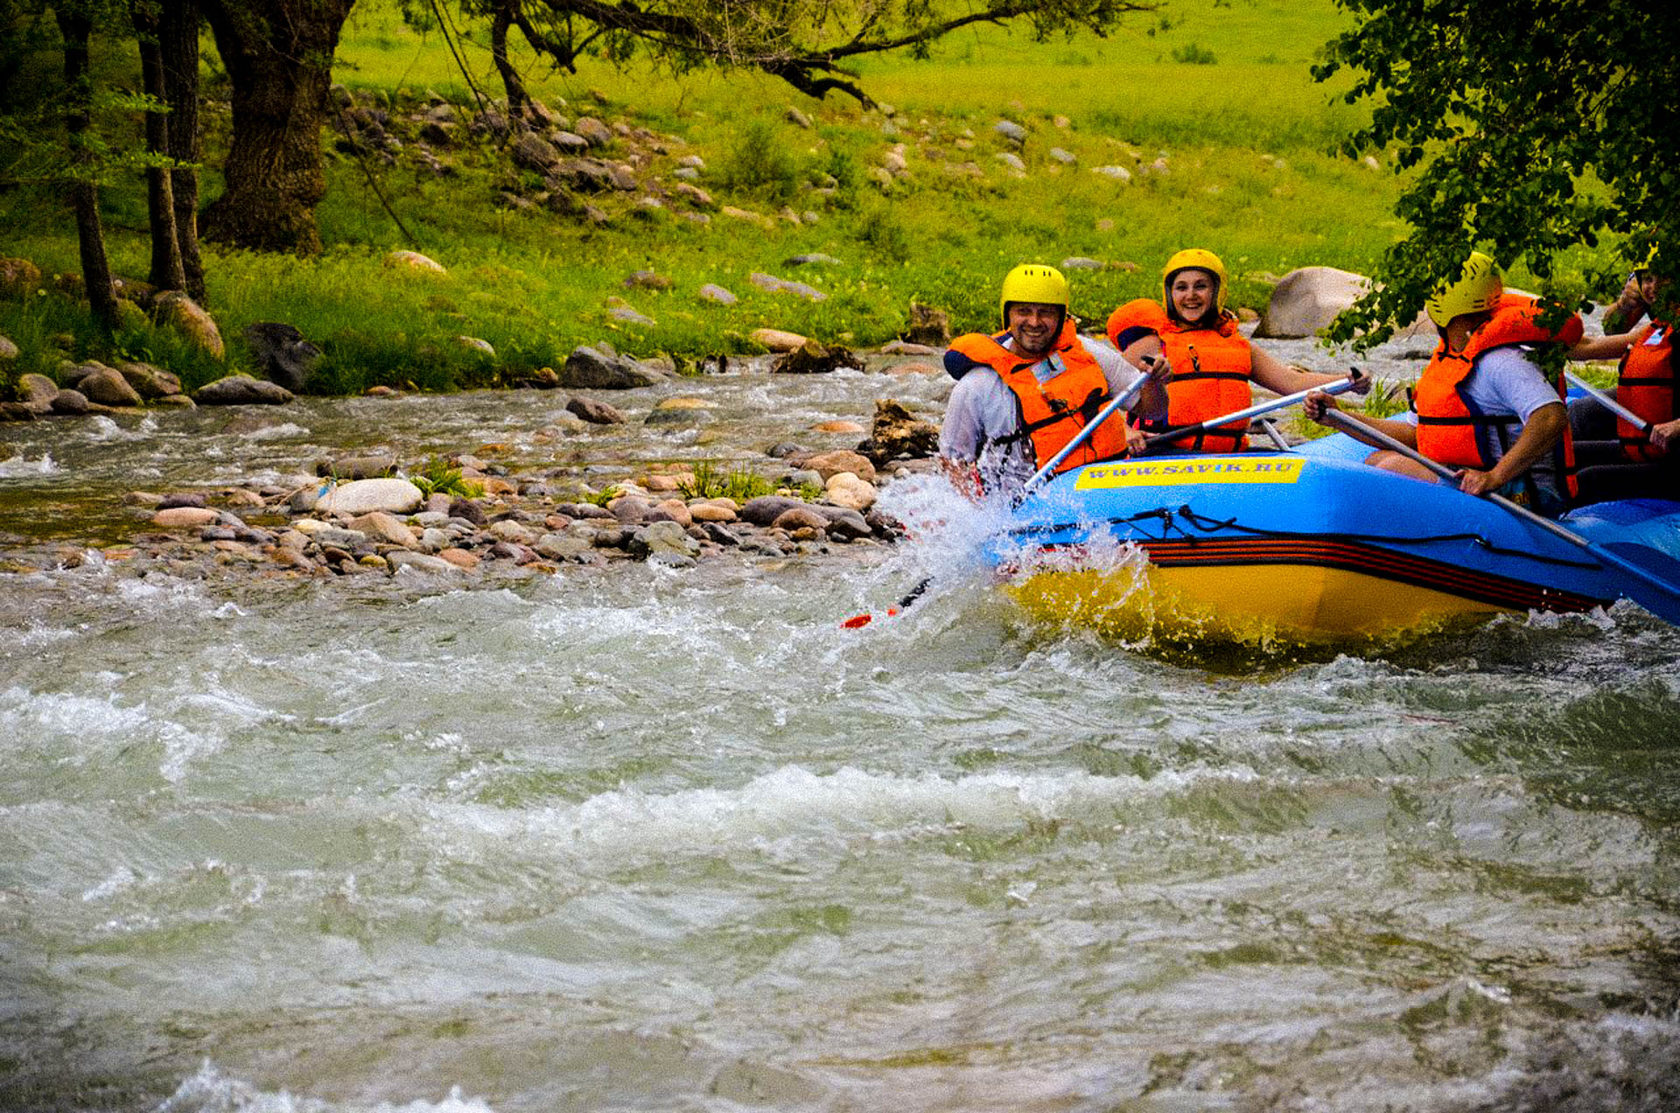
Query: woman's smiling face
pixel 1194 293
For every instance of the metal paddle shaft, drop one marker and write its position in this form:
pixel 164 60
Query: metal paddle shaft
pixel 1254 411
pixel 1611 404
pixel 1666 605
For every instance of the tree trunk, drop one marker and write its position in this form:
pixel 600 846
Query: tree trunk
pixel 178 41
pixel 278 55
pixel 167 270
pixel 76 29
pixel 517 97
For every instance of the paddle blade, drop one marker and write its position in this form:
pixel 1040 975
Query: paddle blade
pixel 857 622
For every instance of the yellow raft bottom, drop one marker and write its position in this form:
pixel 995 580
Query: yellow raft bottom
pixel 1252 605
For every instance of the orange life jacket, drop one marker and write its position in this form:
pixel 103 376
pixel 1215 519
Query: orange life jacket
pixel 1646 386
pixel 1212 373
pixel 1448 427
pixel 1052 412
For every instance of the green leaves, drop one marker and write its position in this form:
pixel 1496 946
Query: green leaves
pixel 1529 129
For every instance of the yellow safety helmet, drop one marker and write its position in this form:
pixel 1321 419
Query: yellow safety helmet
pixel 1033 282
pixel 1477 290
pixel 1194 258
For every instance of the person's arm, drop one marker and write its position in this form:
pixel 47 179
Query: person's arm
pixel 1628 308
pixel 1148 356
pixel 1540 433
pixel 1317 402
pixel 1601 347
pixel 1666 436
pixel 1280 378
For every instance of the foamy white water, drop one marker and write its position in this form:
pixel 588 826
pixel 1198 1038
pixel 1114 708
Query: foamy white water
pixel 674 840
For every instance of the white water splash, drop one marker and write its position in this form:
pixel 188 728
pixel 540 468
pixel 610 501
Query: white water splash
pixel 210 1091
pixel 286 430
pixel 106 431
pixel 21 467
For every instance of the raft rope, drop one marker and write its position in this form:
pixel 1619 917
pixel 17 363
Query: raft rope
pixel 1207 525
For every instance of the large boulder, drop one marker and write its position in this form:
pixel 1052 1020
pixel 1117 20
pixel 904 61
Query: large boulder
pixel 37 392
pixel 106 386
pixel 151 383
pixel 282 354
pixel 176 310
pixel 19 279
pixel 1306 300
pixel 366 496
pixel 600 368
pixel 241 390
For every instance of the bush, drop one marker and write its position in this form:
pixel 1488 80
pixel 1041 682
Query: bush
pixel 758 164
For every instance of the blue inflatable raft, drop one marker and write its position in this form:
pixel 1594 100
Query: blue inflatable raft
pixel 1308 545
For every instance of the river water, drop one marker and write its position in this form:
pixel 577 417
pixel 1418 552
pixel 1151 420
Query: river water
pixel 643 839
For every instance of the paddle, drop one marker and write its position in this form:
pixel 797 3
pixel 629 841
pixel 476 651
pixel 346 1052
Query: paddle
pixel 1663 601
pixel 1611 404
pixel 1121 401
pixel 1253 411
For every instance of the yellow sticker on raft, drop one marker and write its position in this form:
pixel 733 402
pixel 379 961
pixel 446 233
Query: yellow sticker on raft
pixel 1199 469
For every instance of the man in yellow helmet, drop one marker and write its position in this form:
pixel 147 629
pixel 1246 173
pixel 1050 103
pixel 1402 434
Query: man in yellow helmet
pixel 1024 393
pixel 1483 404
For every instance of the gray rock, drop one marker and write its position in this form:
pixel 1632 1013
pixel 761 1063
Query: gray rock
pixel 356 467
pixel 1011 160
pixel 37 392
pixel 533 152
pixel 8 349
pixel 784 286
pixel 72 402
pixel 678 417
pixel 595 412
pixel 815 258
pixel 590 368
pixel 282 354
pixel 241 390
pixel 1063 156
pixel 570 142
pixel 594 132
pixel 766 509
pixel 565 546
pixel 107 387
pixel 1010 130
pixel 718 294
pixel 666 543
pixel 630 316
pixel 363 496
pixel 151 383
pixel 338 538
pixel 1081 263
pixel 843 522
pixel 1309 298
pixel 402 561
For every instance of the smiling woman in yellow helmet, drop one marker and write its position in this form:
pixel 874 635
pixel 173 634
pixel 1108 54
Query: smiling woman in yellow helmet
pixel 1213 364
pixel 1483 405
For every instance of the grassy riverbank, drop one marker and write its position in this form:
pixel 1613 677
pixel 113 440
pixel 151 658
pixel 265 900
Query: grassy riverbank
pixel 1208 108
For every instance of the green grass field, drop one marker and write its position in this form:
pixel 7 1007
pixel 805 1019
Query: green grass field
pixel 1220 91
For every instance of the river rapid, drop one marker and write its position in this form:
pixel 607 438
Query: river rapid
pixel 648 839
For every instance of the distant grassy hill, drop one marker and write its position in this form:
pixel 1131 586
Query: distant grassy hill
pixel 1197 126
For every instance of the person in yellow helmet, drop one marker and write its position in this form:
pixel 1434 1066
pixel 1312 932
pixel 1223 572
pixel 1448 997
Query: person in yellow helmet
pixel 1483 405
pixel 1214 364
pixel 1023 393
